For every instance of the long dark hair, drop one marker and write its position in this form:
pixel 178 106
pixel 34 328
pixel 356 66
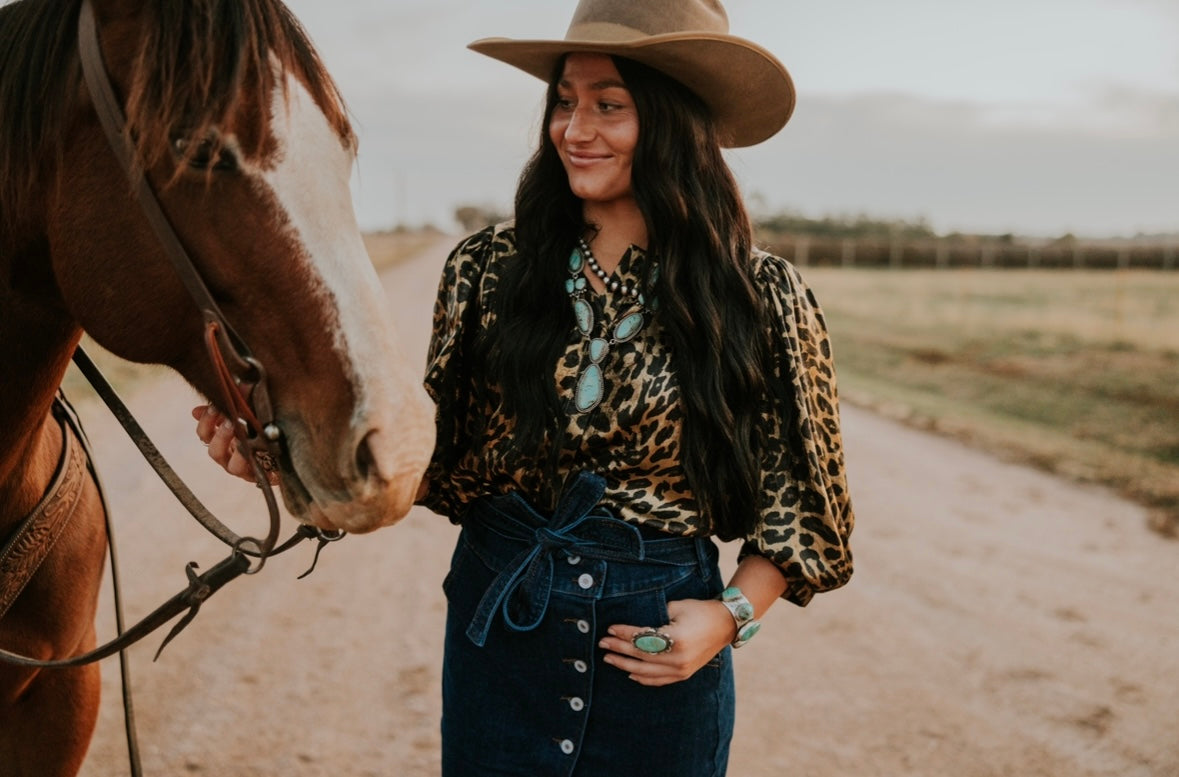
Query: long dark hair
pixel 714 319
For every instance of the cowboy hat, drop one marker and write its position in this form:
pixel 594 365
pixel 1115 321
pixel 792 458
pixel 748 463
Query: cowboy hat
pixel 747 89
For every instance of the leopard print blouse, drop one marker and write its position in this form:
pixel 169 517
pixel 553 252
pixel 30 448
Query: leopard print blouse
pixel 631 437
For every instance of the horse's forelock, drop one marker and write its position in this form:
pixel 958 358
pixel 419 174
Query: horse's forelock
pixel 199 58
pixel 202 59
pixel 37 41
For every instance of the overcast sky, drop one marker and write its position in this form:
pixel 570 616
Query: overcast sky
pixel 1031 116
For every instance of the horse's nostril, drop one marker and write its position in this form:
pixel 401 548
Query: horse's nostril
pixel 374 457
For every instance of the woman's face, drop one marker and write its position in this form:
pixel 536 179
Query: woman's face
pixel 595 128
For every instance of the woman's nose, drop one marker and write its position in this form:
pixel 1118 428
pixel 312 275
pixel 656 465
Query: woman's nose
pixel 580 125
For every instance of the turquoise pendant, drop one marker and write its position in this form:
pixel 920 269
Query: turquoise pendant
pixel 598 349
pixel 585 316
pixel 628 327
pixel 590 388
pixel 591 383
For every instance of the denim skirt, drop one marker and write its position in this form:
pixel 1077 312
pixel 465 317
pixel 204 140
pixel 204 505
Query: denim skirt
pixel 525 691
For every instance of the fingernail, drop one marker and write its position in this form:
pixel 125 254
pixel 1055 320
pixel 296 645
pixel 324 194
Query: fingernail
pixel 602 644
pixel 225 425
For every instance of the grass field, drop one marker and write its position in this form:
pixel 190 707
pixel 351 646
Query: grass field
pixel 1072 371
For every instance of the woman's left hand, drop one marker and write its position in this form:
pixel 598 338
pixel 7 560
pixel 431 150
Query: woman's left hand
pixel 699 629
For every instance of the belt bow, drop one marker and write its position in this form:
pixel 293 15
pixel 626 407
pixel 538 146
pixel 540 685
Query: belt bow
pixel 522 589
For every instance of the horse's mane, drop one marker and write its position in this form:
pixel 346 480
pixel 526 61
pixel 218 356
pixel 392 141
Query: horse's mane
pixel 198 60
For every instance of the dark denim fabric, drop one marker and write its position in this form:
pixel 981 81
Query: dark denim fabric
pixel 525 691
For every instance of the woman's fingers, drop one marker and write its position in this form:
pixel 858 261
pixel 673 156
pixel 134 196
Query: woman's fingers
pixel 207 419
pixel 238 465
pixel 221 442
pixel 217 433
pixel 642 667
pixel 698 629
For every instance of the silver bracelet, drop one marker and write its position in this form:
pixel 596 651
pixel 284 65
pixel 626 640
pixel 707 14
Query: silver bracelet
pixel 742 611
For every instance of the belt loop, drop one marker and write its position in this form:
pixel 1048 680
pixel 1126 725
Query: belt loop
pixel 702 544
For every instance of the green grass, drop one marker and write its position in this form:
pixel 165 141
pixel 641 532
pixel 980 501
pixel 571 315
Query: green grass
pixel 1075 372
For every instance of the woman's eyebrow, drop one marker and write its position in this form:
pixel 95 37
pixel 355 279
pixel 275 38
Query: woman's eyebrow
pixel 609 83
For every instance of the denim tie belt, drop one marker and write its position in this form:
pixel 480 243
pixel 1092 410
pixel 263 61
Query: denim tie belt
pixel 521 590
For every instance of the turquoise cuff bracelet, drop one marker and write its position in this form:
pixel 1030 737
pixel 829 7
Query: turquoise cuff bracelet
pixel 742 611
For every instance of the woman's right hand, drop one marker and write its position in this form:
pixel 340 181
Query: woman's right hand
pixel 216 432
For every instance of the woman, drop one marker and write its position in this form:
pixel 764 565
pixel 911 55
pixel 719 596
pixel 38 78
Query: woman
pixel 621 376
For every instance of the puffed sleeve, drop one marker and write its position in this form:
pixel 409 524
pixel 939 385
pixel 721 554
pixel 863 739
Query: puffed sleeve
pixel 806 514
pixel 448 380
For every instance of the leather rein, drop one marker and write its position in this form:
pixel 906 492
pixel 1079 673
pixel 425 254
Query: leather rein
pixel 243 397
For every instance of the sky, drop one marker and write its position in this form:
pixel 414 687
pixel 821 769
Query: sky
pixel 1038 117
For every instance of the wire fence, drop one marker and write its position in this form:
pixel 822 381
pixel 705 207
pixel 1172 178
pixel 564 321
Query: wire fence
pixel 948 253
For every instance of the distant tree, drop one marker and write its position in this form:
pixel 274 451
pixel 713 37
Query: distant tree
pixel 475 217
pixel 860 226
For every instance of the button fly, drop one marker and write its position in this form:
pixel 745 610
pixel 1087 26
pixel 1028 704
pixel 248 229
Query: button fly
pixel 577 704
pixel 586 581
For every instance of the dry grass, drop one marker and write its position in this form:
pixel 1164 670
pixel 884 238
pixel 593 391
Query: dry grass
pixel 1075 372
pixel 389 248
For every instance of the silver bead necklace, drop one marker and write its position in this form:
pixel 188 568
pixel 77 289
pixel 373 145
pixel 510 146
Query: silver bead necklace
pixel 597 270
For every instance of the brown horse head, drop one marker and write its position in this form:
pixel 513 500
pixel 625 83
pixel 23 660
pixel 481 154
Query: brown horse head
pixel 245 140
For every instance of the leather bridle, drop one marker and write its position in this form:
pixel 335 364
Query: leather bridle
pixel 244 396
pixel 241 382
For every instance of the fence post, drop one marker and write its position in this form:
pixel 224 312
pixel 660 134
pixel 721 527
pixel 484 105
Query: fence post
pixel 943 255
pixel 1123 257
pixel 849 252
pixel 1078 257
pixel 1033 257
pixel 894 253
pixel 987 256
pixel 1169 257
pixel 801 250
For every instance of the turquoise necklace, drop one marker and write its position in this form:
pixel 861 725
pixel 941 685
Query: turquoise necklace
pixel 591 384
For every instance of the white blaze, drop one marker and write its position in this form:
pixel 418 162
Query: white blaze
pixel 311 183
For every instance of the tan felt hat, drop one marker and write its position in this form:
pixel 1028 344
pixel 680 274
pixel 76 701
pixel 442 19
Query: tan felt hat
pixel 747 89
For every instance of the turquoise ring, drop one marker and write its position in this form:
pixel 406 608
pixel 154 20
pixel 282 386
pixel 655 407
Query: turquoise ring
pixel 652 641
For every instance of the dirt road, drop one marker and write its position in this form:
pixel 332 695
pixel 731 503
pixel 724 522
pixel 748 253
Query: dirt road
pixel 1000 622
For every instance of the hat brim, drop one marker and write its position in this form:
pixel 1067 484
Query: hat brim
pixel 749 92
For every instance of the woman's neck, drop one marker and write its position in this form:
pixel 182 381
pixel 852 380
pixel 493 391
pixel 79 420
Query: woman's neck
pixel 615 226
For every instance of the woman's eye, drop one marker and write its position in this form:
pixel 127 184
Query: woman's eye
pixel 205 155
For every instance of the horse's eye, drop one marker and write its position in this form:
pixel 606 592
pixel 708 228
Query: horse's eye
pixel 205 154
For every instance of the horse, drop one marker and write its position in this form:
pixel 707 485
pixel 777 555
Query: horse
pixel 233 121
